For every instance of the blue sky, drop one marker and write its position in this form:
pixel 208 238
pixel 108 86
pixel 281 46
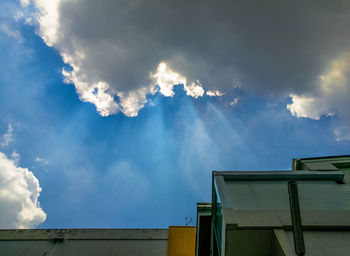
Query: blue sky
pixel 147 170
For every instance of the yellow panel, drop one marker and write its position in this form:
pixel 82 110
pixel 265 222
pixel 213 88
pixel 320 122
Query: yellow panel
pixel 181 241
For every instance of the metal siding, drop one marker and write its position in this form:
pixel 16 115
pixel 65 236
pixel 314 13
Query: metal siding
pixel 85 247
pixel 324 243
pixel 25 248
pixel 69 242
pixel 248 242
pixel 81 234
pixel 273 195
pixel 346 172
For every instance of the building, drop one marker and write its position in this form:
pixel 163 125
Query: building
pixel 121 242
pixel 251 212
pixel 278 213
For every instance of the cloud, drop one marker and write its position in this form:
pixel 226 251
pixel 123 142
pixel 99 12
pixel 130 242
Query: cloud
pixel 11 32
pixel 15 157
pixel 42 161
pixel 342 133
pixel 195 89
pixel 19 192
pixel 118 49
pixel 25 3
pixel 331 96
pixel 97 93
pixel 234 102
pixel 7 137
pixel 214 93
pixel 306 106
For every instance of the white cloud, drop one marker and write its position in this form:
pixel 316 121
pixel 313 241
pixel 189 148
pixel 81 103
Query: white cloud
pixel 330 98
pixel 18 16
pixel 15 157
pixel 131 102
pixel 25 3
pixel 27 18
pixel 48 18
pixel 342 133
pixel 8 136
pixel 331 95
pixel 19 192
pixel 11 32
pixel 98 93
pixel 234 102
pixel 42 161
pixel 307 106
pixel 195 89
pixel 214 93
pixel 166 78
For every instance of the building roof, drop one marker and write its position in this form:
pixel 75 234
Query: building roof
pixel 260 199
pixel 280 175
pixel 83 242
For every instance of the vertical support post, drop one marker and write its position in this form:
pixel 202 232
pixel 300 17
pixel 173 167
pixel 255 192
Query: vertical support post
pixel 298 236
pixel 213 214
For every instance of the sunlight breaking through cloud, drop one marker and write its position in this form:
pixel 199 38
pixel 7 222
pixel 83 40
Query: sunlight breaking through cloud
pixel 331 97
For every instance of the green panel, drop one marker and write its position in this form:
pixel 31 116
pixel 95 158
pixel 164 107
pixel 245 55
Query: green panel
pixel 216 221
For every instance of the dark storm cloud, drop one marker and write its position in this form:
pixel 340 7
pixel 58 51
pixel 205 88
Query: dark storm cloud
pixel 273 47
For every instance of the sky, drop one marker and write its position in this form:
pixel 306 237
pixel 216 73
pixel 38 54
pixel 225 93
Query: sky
pixel 115 113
